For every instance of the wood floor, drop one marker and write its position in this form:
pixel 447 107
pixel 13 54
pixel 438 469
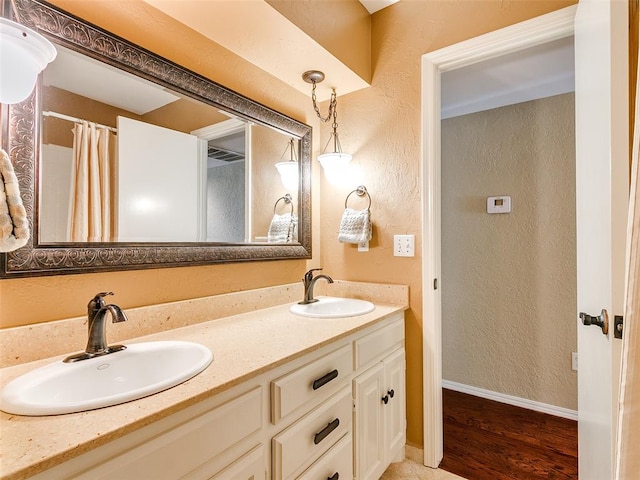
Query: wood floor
pixel 487 440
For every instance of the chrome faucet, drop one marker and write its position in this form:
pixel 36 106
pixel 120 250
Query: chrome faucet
pixel 97 344
pixel 309 281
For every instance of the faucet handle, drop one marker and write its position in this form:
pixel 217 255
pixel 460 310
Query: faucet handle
pixel 309 275
pixel 98 300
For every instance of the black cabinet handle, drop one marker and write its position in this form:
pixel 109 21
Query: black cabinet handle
pixel 325 379
pixel 335 476
pixel 322 434
pixel 391 393
pixel 385 399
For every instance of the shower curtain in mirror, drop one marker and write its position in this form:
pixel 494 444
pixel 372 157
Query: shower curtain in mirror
pixel 92 184
pixel 628 459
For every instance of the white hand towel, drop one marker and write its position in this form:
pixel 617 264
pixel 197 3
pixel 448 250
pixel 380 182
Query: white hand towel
pixel 355 226
pixel 283 228
pixel 14 227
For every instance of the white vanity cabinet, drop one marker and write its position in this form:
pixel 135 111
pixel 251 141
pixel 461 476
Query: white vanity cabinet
pixel 315 416
pixel 379 398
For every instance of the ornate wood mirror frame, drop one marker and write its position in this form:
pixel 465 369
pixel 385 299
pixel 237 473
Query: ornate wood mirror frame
pixel 21 139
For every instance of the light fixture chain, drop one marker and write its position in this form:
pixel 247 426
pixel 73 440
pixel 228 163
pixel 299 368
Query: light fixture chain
pixel 335 111
pixel 332 104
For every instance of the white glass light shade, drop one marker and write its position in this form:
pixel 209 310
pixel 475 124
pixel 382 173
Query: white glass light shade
pixel 334 161
pixel 288 174
pixel 23 55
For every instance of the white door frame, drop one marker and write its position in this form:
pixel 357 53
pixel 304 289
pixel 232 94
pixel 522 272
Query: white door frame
pixel 537 31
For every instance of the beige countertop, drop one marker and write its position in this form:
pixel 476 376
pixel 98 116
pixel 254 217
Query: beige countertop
pixel 29 445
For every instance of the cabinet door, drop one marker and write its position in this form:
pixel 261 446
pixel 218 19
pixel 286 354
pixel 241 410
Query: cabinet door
pixel 369 424
pixel 249 467
pixel 394 410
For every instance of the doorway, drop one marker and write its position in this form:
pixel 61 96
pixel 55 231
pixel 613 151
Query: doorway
pixel 552 27
pixel 509 289
pixel 602 169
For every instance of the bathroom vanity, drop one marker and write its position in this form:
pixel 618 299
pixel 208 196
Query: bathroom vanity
pixel 285 397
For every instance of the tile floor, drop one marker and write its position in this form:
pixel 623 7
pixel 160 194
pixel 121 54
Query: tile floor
pixel 410 470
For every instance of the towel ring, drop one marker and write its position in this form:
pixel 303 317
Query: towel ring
pixel 287 199
pixel 361 191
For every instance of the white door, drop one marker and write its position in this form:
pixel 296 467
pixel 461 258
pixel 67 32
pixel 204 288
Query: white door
pixel 601 208
pixel 159 184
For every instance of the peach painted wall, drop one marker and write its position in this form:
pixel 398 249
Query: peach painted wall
pixel 380 126
pixel 342 27
pixel 41 299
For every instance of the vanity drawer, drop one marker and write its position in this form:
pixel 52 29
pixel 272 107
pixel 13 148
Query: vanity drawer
pixel 316 380
pixel 305 441
pixel 338 460
pixel 377 343
pixel 177 451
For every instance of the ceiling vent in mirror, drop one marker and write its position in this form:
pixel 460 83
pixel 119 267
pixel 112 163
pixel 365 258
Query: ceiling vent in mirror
pixel 222 155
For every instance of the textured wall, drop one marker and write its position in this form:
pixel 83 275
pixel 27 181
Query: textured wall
pixel 268 147
pixel 225 203
pixel 381 127
pixel 342 27
pixel 509 280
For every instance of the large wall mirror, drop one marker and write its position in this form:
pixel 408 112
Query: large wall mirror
pixel 128 161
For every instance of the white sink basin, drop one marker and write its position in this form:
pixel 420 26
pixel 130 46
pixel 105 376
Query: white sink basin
pixel 141 369
pixel 333 307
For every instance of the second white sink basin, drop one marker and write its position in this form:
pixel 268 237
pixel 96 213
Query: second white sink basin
pixel 333 307
pixel 140 370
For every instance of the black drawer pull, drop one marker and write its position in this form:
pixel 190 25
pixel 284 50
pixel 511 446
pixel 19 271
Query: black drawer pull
pixel 335 476
pixel 385 399
pixel 325 379
pixel 391 393
pixel 322 434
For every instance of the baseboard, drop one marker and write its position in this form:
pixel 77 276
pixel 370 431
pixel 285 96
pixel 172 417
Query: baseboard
pixel 511 400
pixel 415 454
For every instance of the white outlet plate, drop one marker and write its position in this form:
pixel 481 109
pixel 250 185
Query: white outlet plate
pixel 574 361
pixel 404 245
pixel 363 247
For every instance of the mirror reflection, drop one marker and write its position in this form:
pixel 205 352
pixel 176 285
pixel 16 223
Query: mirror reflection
pixel 125 160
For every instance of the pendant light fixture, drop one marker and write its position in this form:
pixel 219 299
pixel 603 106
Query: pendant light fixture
pixel 289 169
pixel 335 160
pixel 24 53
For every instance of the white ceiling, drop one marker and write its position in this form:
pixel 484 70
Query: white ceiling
pixel 374 5
pixel 103 83
pixel 537 72
pixel 276 44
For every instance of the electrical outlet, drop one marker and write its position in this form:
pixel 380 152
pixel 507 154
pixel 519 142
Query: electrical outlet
pixel 574 361
pixel 404 245
pixel 363 247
